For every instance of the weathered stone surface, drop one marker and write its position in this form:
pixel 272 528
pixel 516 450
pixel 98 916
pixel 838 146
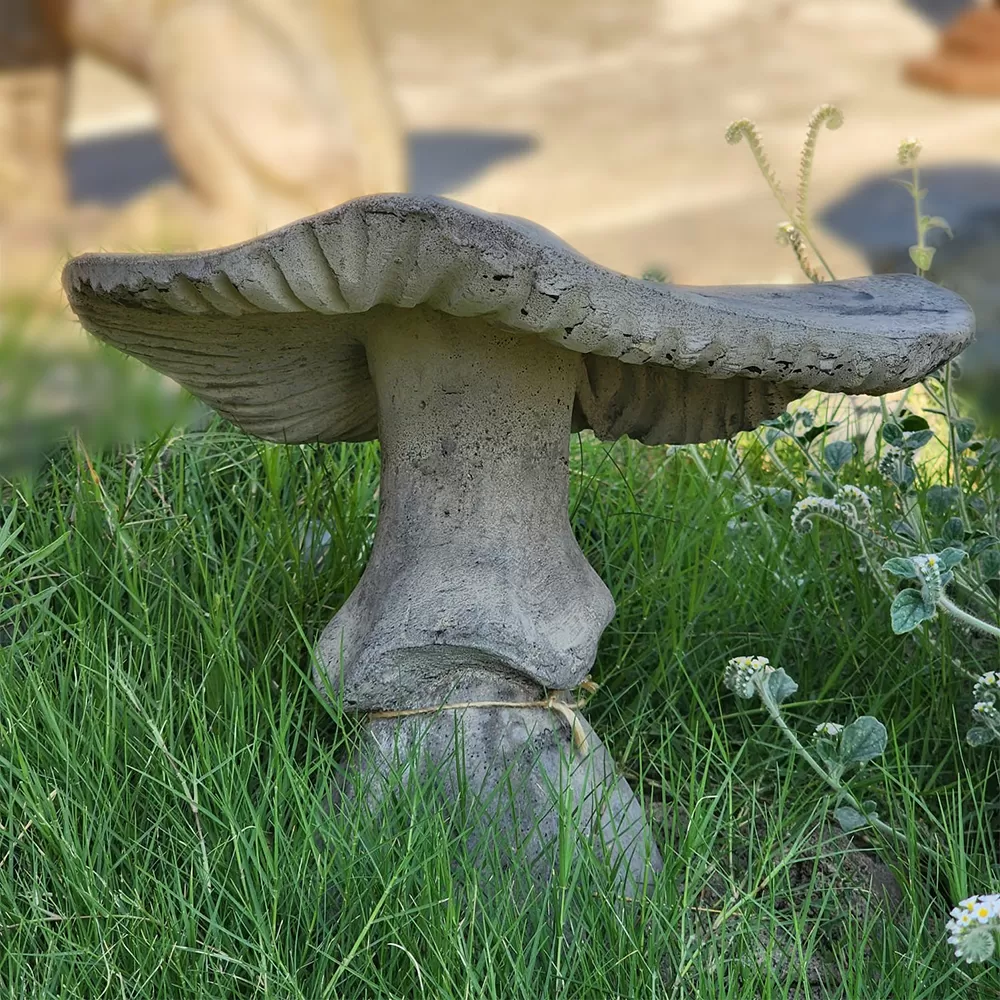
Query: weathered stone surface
pixel 329 275
pixel 271 108
pixel 475 566
pixel 459 339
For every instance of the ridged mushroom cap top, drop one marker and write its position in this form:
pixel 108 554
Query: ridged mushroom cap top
pixel 271 332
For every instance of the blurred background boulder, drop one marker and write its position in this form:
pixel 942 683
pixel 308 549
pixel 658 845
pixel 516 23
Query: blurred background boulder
pixel 876 216
pixel 270 110
pixel 970 265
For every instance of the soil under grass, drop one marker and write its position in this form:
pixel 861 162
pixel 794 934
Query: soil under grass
pixel 163 757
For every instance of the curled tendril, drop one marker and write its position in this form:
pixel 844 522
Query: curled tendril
pixel 855 498
pixel 832 117
pixel 744 128
pixel 742 672
pixel 987 687
pixel 893 459
pixel 832 509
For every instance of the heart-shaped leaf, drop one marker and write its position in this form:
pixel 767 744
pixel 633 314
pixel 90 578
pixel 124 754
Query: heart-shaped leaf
pixel 780 686
pixel 941 499
pixel 901 566
pixel 908 610
pixel 838 453
pixel 862 740
pixel 849 819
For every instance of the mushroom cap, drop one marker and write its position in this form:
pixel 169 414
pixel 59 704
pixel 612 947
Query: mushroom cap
pixel 271 332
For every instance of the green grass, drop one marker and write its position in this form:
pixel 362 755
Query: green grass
pixel 163 756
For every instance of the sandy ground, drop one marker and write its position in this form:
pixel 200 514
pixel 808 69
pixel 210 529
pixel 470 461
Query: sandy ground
pixel 604 121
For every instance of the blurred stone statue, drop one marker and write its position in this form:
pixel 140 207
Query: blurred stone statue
pixel 271 109
pixel 968 57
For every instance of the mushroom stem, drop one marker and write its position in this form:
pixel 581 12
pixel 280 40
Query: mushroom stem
pixel 476 586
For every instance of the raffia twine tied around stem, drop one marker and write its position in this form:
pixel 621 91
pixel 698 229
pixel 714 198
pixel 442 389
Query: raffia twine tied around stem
pixel 553 702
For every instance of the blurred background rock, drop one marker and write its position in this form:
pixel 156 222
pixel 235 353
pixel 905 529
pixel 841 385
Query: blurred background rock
pixel 599 119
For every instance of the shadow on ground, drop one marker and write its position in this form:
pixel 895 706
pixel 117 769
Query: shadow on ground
pixel 112 169
pixel 877 218
pixel 940 12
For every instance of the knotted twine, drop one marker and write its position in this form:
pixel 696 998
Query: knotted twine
pixel 566 710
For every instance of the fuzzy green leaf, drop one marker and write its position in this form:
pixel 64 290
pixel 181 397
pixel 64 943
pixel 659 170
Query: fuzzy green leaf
pixel 863 740
pixel 849 819
pixel 780 686
pixel 814 432
pixel 901 566
pixel 981 540
pixel 908 610
pixel 838 453
pixel 953 530
pixel 989 564
pixel 929 222
pixel 917 439
pixel 922 257
pixel 964 428
pixel 951 557
pixel 979 736
pixel 941 499
pixel 892 433
pixel 903 476
pixel 914 422
pixel 826 750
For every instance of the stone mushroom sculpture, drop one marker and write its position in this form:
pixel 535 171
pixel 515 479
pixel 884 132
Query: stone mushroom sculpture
pixel 471 345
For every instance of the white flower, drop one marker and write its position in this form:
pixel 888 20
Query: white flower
pixel 929 568
pixel 971 926
pixel 909 150
pixel 987 687
pixel 742 671
pixel 829 729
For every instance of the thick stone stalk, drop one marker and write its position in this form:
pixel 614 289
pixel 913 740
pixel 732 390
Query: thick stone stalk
pixel 476 591
pixel 475 567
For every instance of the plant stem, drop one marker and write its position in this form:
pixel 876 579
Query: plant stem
pixel 949 405
pixel 917 200
pixel 963 616
pixel 815 249
pixel 775 712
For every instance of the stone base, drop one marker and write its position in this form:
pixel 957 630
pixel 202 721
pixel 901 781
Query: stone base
pixel 519 782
